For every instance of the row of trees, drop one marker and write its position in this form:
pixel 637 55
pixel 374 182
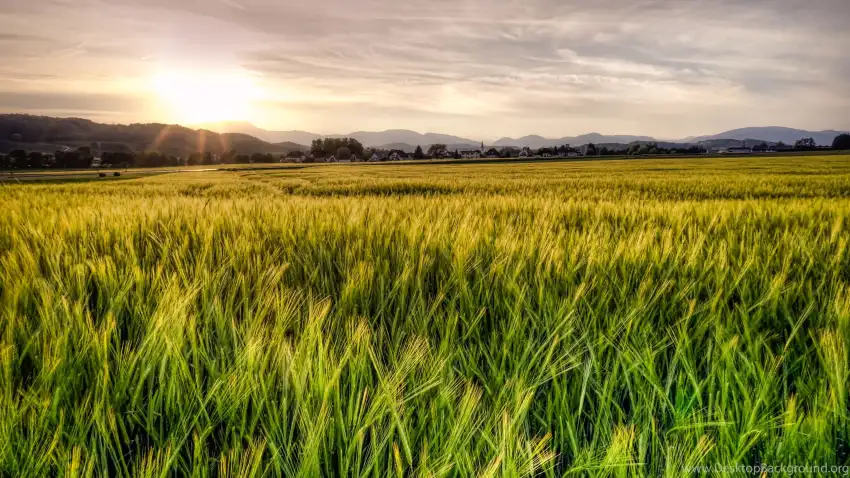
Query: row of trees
pixel 650 149
pixel 841 142
pixel 35 160
pixel 83 158
pixel 341 148
pixel 345 149
pixel 230 157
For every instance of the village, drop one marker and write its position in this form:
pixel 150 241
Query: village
pixel 348 150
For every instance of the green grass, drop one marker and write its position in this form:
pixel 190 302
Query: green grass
pixel 617 318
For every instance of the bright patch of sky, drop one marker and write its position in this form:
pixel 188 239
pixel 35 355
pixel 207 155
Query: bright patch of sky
pixel 475 68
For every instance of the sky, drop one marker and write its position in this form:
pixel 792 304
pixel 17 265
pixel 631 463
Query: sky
pixel 474 68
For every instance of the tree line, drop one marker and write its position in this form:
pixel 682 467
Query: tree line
pixel 83 158
pixel 341 148
pixel 347 149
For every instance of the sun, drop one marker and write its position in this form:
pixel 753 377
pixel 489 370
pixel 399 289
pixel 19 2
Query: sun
pixel 206 96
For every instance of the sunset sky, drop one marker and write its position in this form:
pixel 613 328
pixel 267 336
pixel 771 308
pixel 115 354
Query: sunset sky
pixel 482 69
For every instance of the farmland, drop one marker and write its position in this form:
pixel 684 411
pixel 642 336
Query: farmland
pixel 611 318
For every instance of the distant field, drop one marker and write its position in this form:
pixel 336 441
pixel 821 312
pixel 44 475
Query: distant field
pixel 37 174
pixel 609 318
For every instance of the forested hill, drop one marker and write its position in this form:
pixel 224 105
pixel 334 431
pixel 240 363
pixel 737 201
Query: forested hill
pixel 47 133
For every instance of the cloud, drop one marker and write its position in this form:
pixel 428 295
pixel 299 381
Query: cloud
pixel 102 107
pixel 486 68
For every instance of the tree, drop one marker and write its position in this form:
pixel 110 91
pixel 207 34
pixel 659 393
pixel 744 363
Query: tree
pixel 398 154
pixel 330 146
pixel 228 157
pixel 34 159
pixel 842 141
pixel 591 150
pixel 645 149
pixel 437 150
pixel 18 158
pixel 318 147
pixel 418 154
pixel 343 153
pixel 116 159
pixel 355 146
pixel 262 158
pixel 509 152
pixel 70 159
pixel 805 143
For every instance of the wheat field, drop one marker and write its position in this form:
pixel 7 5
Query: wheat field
pixel 610 318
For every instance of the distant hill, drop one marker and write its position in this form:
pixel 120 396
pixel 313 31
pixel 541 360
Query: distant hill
pixel 734 143
pixel 368 138
pixel 46 134
pixel 407 148
pixel 289 146
pixel 408 140
pixel 244 127
pixel 773 134
pixel 40 133
pixel 596 138
pixel 413 138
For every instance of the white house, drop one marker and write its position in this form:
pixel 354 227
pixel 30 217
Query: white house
pixel 375 158
pixel 395 156
pixel 473 154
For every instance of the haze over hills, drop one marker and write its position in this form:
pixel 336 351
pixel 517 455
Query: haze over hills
pixel 397 137
pixel 408 140
pixel 535 141
pixel 47 134
pixel 244 127
pixel 773 134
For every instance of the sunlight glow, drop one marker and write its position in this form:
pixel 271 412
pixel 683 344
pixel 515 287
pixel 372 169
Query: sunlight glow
pixel 207 96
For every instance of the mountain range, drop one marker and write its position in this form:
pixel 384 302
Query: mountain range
pixel 772 134
pixel 408 140
pixel 535 141
pixel 48 134
pixel 378 139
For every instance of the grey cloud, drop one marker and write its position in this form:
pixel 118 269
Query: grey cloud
pixel 65 102
pixel 549 58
